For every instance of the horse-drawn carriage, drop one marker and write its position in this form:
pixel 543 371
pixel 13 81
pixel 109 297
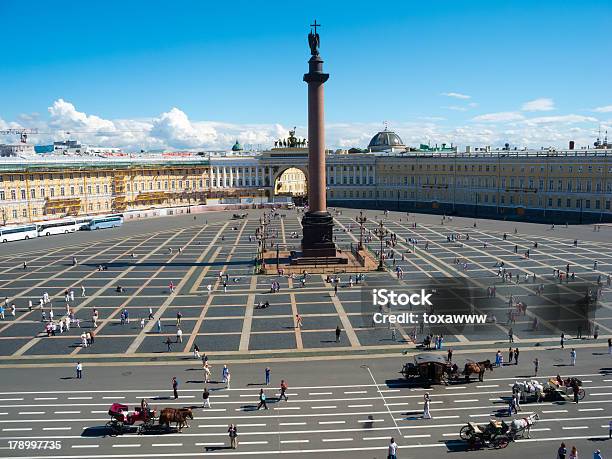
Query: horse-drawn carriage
pixel 564 388
pixel 143 419
pixel 122 419
pixel 432 368
pixel 496 434
pixel 435 369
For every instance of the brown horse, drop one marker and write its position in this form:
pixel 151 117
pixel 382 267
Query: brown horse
pixel 477 368
pixel 178 415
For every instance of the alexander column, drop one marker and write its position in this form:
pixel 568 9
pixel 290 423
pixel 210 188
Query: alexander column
pixel 317 223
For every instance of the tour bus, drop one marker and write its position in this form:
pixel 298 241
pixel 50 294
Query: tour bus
pixel 107 221
pixel 51 227
pixel 83 222
pixel 17 232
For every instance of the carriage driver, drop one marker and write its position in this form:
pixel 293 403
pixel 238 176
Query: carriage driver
pixel 144 408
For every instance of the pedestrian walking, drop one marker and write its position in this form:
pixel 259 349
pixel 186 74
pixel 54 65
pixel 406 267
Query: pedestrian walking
pixel 337 333
pixel 175 387
pixel 262 400
pixel 449 356
pixel 536 365
pixel 179 335
pixel 159 326
pixel 150 313
pixel 196 351
pixel 79 370
pixel 516 355
pixel 510 355
pixel 228 379
pixel 573 357
pixel 179 316
pixel 283 390
pixel 562 340
pixel 392 454
pixel 427 401
pixel 224 374
pixel 609 346
pixel 206 398
pixel 298 321
pixel 83 291
pixel 142 323
pixel 573 453
pixel 267 372
pixel 511 335
pixel 233 435
pixel 168 343
pixel 562 451
pixel 597 454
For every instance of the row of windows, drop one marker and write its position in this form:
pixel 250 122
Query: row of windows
pixel 485 199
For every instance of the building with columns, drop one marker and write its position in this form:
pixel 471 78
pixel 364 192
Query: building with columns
pixel 544 185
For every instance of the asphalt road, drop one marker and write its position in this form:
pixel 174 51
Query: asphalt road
pixel 344 408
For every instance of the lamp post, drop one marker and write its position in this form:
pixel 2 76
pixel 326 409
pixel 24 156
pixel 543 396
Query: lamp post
pixel 381 233
pixel 361 220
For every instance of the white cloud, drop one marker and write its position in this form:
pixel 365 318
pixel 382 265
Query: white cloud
pixel 173 129
pixel 456 95
pixel 457 108
pixel 604 109
pixel 499 117
pixel 562 119
pixel 542 104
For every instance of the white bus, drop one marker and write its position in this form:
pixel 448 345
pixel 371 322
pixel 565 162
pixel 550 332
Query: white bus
pixel 83 222
pixel 49 228
pixel 17 232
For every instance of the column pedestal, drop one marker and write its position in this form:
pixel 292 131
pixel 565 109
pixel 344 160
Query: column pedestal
pixel 318 240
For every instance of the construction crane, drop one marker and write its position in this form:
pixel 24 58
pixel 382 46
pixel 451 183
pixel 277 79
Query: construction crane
pixel 23 133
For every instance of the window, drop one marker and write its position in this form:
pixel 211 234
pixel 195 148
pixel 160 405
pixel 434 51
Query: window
pixel 14 213
pixel 62 191
pixel 105 189
pixel 587 204
pixel 2 195
pixel 32 193
pixel 52 191
pixel 35 212
pixel 568 203
pixel 97 189
pixel 13 195
pixel 24 212
pixel 71 191
pixel 23 194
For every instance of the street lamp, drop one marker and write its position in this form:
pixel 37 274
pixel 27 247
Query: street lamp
pixel 381 232
pixel 361 220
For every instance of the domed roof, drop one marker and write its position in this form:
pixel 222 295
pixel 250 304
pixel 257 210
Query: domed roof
pixel 237 146
pixel 385 140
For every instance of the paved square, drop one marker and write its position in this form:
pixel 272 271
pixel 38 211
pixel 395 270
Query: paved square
pixel 219 254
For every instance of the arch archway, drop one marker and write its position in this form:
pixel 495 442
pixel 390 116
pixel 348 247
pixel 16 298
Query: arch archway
pixel 291 181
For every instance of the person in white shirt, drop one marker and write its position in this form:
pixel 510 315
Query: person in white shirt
pixel 392 449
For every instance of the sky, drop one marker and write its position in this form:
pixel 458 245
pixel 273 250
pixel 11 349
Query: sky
pixel 194 74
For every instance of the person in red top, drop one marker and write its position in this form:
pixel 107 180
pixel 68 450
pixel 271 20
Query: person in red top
pixel 283 390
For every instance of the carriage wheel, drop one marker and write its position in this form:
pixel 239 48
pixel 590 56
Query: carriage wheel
pixel 581 394
pixel 465 433
pixel 500 442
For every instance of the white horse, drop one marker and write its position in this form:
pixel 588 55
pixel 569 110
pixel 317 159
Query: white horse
pixel 523 425
pixel 529 387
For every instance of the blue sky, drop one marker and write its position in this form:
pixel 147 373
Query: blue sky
pixel 440 70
